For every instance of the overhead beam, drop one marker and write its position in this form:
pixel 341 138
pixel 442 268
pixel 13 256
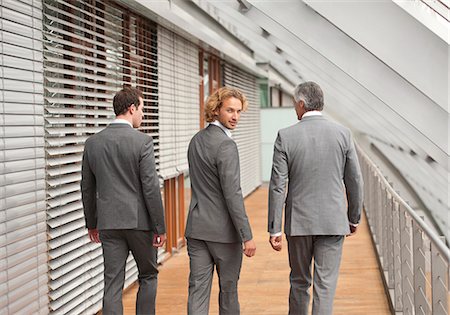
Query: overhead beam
pixel 397 39
pixel 341 55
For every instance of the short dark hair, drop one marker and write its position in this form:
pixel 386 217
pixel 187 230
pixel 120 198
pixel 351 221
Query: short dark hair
pixel 311 94
pixel 125 98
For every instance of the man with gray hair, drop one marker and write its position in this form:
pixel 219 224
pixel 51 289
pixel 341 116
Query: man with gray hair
pixel 323 202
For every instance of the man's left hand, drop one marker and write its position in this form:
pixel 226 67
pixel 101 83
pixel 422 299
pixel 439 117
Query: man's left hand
pixel 249 248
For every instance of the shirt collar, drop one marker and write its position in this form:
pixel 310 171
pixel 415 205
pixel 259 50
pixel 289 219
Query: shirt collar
pixel 218 124
pixel 312 113
pixel 121 121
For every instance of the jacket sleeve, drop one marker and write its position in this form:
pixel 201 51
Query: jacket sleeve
pixel 88 191
pixel 353 184
pixel 277 187
pixel 150 186
pixel 230 182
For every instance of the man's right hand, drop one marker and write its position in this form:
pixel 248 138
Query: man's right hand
pixel 276 242
pixel 159 240
pixel 249 248
pixel 353 230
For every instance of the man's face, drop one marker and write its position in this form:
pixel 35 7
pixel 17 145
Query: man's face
pixel 138 114
pixel 230 112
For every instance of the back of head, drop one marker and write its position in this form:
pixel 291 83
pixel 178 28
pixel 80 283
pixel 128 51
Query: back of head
pixel 215 101
pixel 125 98
pixel 311 94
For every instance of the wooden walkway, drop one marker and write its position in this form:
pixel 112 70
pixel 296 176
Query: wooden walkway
pixel 264 282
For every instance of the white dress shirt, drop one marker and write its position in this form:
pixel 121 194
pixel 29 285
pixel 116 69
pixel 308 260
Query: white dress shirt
pixel 312 113
pixel 121 121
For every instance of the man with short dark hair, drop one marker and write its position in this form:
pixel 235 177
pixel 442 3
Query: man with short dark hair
pixel 319 159
pixel 122 202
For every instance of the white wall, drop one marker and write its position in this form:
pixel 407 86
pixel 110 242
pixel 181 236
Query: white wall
pixel 272 120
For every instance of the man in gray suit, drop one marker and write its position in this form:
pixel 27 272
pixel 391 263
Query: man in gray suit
pixel 122 202
pixel 217 224
pixel 318 158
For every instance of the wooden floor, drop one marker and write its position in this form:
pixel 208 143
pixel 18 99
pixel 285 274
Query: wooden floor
pixel 264 283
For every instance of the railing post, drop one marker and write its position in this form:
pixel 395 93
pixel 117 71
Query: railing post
pixel 421 305
pixel 379 210
pixel 390 240
pixel 406 255
pixel 439 275
pixel 398 303
pixel 373 209
pixel 369 198
pixel 384 226
pixel 376 211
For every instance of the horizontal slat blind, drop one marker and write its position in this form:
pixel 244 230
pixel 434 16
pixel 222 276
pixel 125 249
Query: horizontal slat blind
pixel 247 133
pixel 179 100
pixel 166 77
pixel 187 98
pixel 23 249
pixel 91 50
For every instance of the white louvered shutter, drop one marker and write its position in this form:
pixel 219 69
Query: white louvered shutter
pixel 247 133
pixel 166 84
pixel 23 249
pixel 187 98
pixel 179 100
pixel 91 49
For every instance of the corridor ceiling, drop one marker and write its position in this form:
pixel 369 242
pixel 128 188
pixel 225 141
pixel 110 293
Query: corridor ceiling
pixel 383 68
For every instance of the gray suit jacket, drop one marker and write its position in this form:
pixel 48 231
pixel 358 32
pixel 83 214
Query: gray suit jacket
pixel 318 157
pixel 217 211
pixel 120 186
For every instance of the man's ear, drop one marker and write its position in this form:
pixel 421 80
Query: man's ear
pixel 301 103
pixel 132 108
pixel 216 112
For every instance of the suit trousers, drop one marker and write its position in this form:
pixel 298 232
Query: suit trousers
pixel 116 245
pixel 203 256
pixel 326 251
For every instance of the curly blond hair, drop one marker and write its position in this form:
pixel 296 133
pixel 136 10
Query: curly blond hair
pixel 215 101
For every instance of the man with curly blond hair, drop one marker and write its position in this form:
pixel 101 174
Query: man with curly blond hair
pixel 217 230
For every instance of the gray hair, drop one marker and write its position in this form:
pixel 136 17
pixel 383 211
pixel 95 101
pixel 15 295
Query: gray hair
pixel 311 94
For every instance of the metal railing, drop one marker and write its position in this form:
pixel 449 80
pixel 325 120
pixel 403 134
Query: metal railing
pixel 413 259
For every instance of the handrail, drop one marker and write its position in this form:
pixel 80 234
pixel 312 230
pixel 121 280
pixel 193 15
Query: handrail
pixel 430 233
pixel 414 261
